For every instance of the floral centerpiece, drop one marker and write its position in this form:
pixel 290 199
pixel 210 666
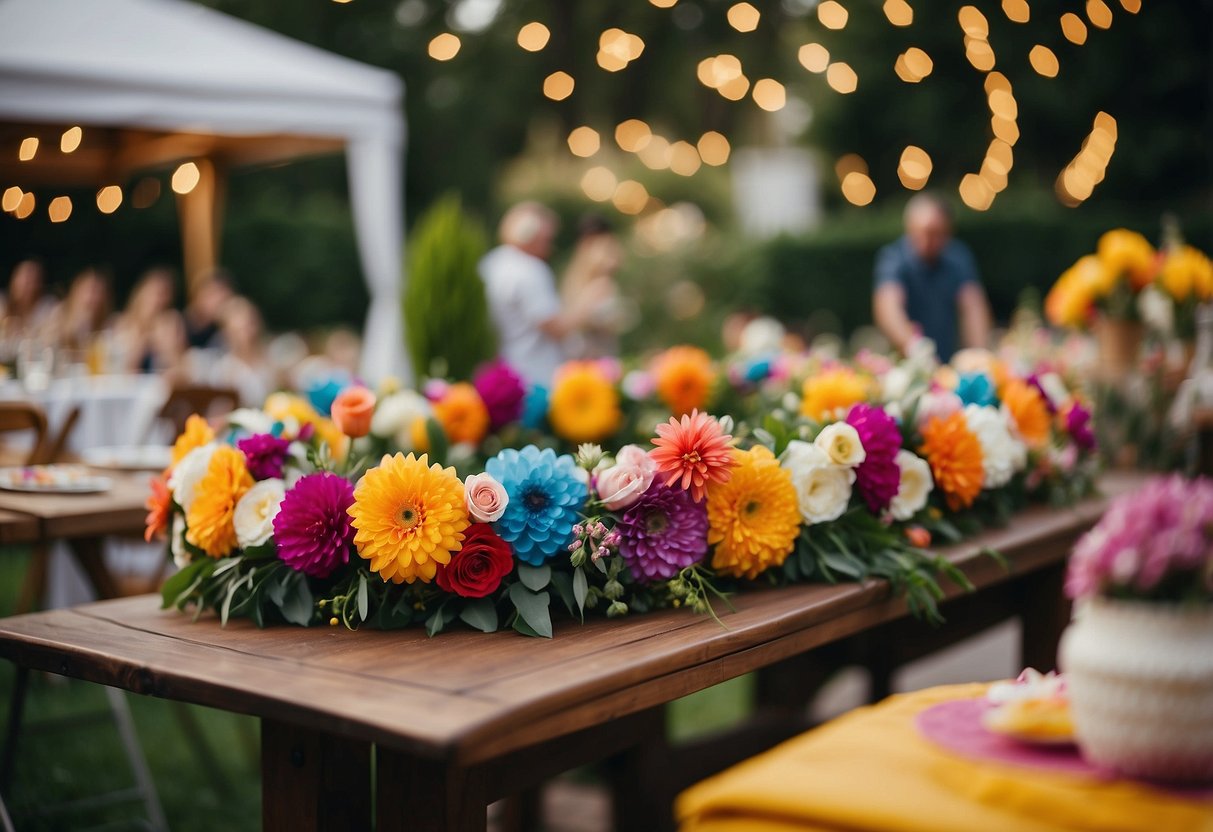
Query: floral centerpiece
pixel 491 504
pixel 1139 657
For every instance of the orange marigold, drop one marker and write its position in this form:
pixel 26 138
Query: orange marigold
pixel 753 519
pixel 209 523
pixel 684 377
pixel 462 414
pixel 954 453
pixel 159 507
pixel 1028 411
pixel 831 391
pixel 196 434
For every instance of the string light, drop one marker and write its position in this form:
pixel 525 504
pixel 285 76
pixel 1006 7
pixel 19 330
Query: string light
pixel 832 14
pixel 534 36
pixel 59 209
pixel 1131 6
pixel 713 148
pixel 70 140
pixel 769 94
pixel 975 192
pixel 735 89
pixel 1099 14
pixel 26 206
pixel 663 4
pixel 1078 179
pixel 109 198
pixel 743 17
pixel 979 53
pixel 656 153
pixel 850 163
pixel 1073 28
pixel 11 199
pixel 973 22
pixel 617 48
pixel 632 135
pixel 1044 61
pixel 913 65
pixel 630 197
pixel 1005 129
pixel 814 57
pixel 841 78
pixel 28 149
pixel 1017 11
pixel 1003 104
pixel 444 47
pixel 186 178
pixel 558 86
pixel 914 168
pixel 1000 157
pixel 598 183
pixel 684 158
pixel 996 81
pixel 584 141
pixel 858 188
pixel 898 12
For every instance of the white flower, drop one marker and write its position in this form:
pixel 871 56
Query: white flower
pixel 841 443
pixel 1055 389
pixel 896 383
pixel 181 557
pixel 823 489
pixel 187 473
pixel 252 420
pixel 915 486
pixel 1002 455
pixel 255 513
pixel 395 414
pixel 762 336
pixel 486 498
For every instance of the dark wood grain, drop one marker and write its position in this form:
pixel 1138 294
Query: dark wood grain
pixel 313 781
pixel 17 528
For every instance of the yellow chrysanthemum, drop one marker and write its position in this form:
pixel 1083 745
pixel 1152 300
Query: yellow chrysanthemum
pixel 684 377
pixel 1187 272
pixel 584 406
pixel 1028 411
pixel 283 406
pixel 462 413
pixel 1070 300
pixel 753 519
pixel 409 517
pixel 209 524
pixel 196 434
pixel 1125 252
pixel 831 391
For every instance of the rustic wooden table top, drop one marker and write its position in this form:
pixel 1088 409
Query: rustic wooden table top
pixel 119 510
pixel 17 528
pixel 466 697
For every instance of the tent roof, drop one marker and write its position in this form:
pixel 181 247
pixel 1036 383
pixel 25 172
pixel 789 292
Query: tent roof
pixel 170 65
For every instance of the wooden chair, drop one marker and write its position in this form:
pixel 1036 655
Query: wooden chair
pixel 185 401
pixel 23 418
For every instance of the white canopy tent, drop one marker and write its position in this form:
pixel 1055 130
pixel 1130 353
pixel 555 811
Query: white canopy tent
pixel 167 81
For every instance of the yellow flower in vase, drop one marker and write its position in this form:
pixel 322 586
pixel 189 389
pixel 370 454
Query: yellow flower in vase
pixel 1127 253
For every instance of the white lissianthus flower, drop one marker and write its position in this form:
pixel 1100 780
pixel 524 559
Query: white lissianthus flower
pixel 823 488
pixel 255 513
pixel 842 444
pixel 1002 455
pixel 914 487
pixel 395 415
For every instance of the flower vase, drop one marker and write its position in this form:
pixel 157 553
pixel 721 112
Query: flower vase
pixel 1140 677
pixel 1119 346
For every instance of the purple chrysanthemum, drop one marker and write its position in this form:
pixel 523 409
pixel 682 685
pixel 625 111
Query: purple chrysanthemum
pixel 1078 424
pixel 265 455
pixel 312 529
pixel 502 390
pixel 663 532
pixel 878 476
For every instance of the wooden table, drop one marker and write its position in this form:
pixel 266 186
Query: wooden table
pixel 460 720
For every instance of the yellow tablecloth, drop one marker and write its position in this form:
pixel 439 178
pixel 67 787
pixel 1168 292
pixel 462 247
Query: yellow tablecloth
pixel 870 771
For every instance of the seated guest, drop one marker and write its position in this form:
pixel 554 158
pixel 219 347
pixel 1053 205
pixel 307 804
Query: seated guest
pixel 244 365
pixel 202 320
pixel 83 317
pixel 152 296
pixel 26 308
pixel 168 353
pixel 590 293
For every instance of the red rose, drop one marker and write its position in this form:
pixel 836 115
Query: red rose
pixel 476 570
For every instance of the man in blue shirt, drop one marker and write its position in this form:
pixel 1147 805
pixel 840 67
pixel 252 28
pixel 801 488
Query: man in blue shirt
pixel 926 284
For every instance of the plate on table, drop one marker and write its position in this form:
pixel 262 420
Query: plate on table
pixel 129 457
pixel 53 479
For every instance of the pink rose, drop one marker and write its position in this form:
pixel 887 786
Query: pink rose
pixel 486 498
pixel 622 484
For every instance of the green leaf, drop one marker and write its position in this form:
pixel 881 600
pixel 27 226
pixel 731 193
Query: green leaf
pixel 178 587
pixel 226 565
pixel 437 622
pixel 363 597
pixel 438 441
pixel 845 564
pixel 524 628
pixel 581 588
pixel 532 608
pixel 298 605
pixel 265 551
pixel 480 614
pixel 562 582
pixel 535 578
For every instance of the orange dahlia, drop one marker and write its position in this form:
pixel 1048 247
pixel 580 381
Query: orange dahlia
pixel 1028 411
pixel 196 434
pixel 753 519
pixel 159 507
pixel 209 522
pixel 954 453
pixel 684 377
pixel 462 414
pixel 584 405
pixel 693 451
pixel 409 517
pixel 833 390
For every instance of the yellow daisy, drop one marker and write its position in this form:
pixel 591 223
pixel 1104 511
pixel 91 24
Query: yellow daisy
pixel 753 519
pixel 584 406
pixel 209 522
pixel 409 517
pixel 196 434
pixel 831 392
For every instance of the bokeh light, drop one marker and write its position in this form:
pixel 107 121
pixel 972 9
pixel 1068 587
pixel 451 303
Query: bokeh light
pixel 684 158
pixel 630 197
pixel 584 141
pixel 735 89
pixel 70 140
pixel 1099 14
pixel 832 14
pixel 59 209
pixel 632 135
pixel 186 178
pixel 814 57
pixel 976 193
pixel 28 149
pixel 743 17
pixel 769 94
pixel 1073 28
pixel 898 12
pixel 656 155
pixel 858 188
pixel 914 168
pixel 979 53
pixel 11 198
pixel 713 148
pixel 841 78
pixel 558 86
pixel 1044 61
pixel 973 22
pixel 26 206
pixel 1017 11
pixel 598 183
pixel 534 36
pixel 109 198
pixel 444 47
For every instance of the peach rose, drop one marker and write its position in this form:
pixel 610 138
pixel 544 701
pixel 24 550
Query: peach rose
pixel 486 498
pixel 623 483
pixel 352 411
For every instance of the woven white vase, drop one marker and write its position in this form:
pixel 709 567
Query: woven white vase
pixel 1140 677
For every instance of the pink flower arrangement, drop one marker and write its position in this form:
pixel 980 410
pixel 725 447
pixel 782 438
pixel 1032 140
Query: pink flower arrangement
pixel 878 476
pixel 502 390
pixel 1155 544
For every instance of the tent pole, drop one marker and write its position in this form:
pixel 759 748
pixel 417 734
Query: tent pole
pixel 201 214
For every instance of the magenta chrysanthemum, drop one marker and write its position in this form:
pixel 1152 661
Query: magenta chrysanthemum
pixel 663 532
pixel 312 529
pixel 502 390
pixel 265 455
pixel 878 476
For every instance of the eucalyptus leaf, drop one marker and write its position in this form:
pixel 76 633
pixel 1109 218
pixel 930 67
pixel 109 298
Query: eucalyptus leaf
pixel 524 628
pixel 298 605
pixel 581 588
pixel 535 578
pixel 480 614
pixel 562 582
pixel 180 584
pixel 532 608
pixel 363 597
pixel 437 622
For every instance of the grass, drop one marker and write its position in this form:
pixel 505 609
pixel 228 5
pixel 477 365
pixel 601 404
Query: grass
pixel 81 756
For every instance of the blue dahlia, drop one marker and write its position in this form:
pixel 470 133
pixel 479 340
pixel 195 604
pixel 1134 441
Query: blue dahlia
pixel 978 389
pixel 535 407
pixel 547 493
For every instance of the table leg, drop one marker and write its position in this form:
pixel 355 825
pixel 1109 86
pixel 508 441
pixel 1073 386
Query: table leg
pixel 89 552
pixel 313 782
pixel 420 795
pixel 1045 614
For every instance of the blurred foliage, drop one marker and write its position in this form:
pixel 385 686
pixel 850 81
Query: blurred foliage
pixel 445 312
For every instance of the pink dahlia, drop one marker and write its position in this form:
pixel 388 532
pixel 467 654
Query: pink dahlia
pixel 662 533
pixel 312 529
pixel 878 477
pixel 502 390
pixel 265 455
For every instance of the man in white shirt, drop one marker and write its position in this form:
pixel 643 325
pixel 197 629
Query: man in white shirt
pixel 521 291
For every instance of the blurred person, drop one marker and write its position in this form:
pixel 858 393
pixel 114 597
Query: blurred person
pixel 520 288
pixel 84 315
pixel 151 297
pixel 590 292
pixel 26 309
pixel 343 348
pixel 202 312
pixel 168 352
pixel 927 285
pixel 244 366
